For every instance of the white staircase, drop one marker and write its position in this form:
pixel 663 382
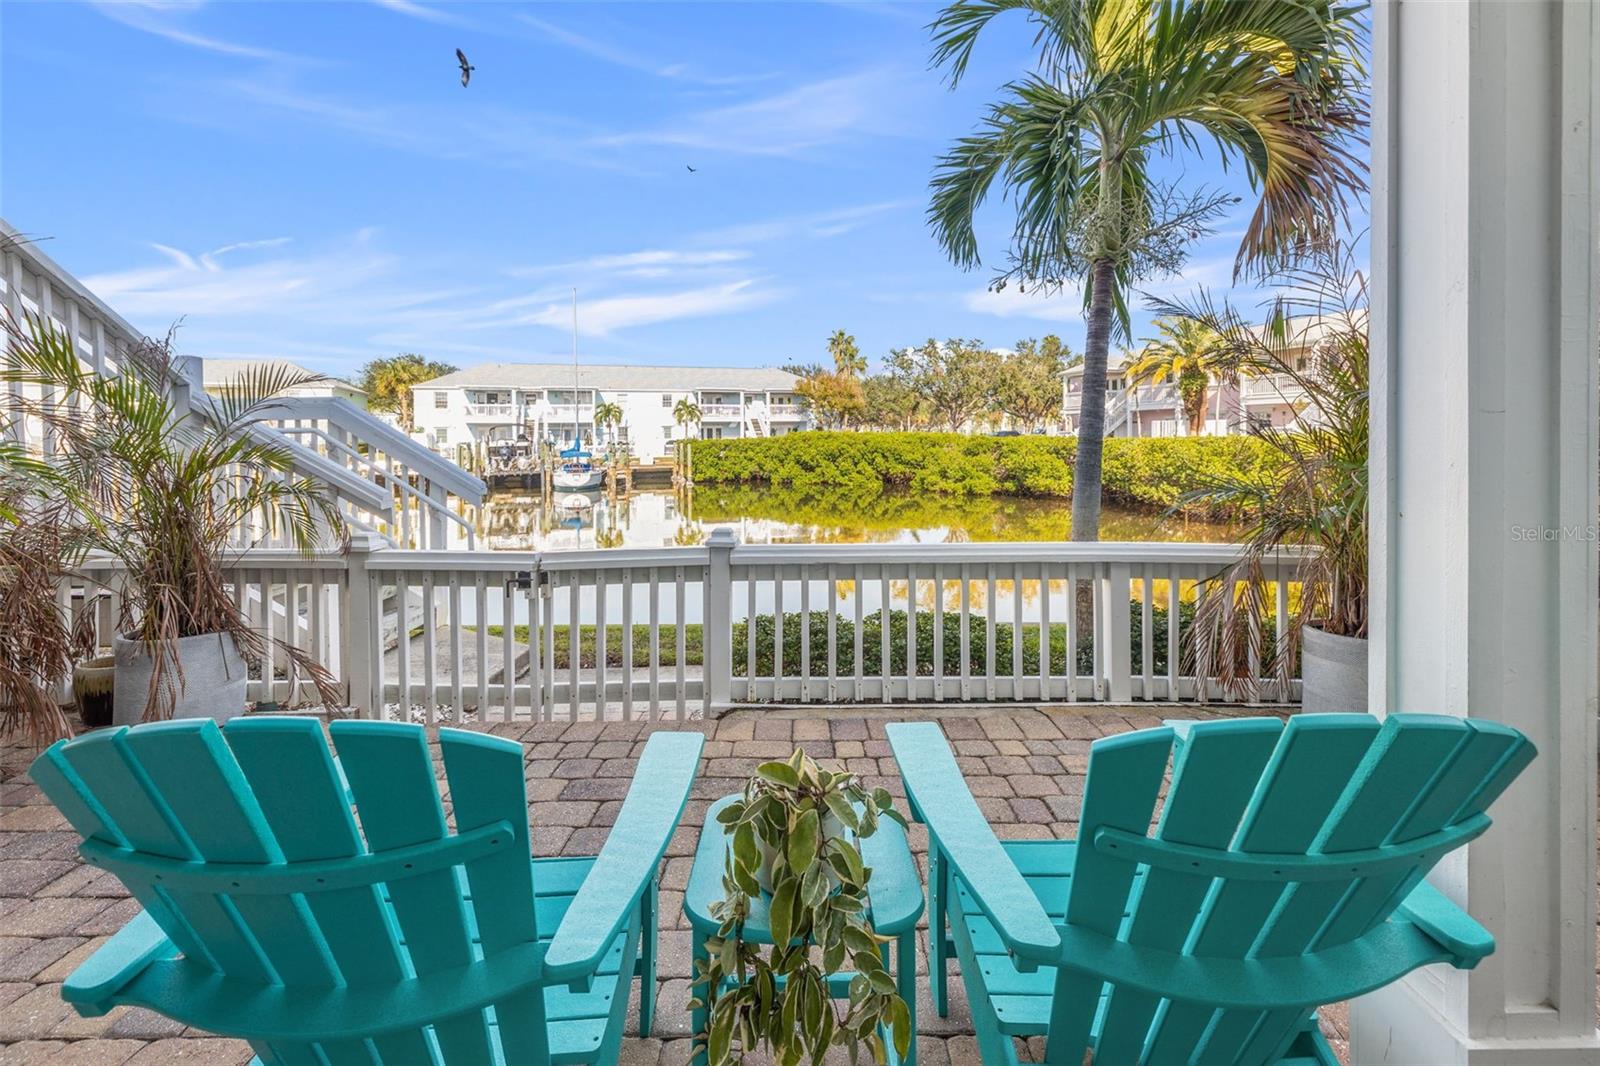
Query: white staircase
pixel 383 481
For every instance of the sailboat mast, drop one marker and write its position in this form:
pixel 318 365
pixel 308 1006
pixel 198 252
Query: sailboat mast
pixel 577 434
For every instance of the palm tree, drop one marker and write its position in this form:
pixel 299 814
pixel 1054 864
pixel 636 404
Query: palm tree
pixel 847 358
pixel 608 415
pixel 1122 84
pixel 686 412
pixel 1188 354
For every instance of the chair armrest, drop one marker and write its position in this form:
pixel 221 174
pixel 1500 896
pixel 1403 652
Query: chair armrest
pixel 630 857
pixel 97 979
pixel 1447 924
pixel 936 788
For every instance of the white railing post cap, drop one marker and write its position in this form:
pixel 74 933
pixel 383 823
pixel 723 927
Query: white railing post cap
pixel 722 537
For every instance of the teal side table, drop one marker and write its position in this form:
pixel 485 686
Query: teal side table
pixel 895 894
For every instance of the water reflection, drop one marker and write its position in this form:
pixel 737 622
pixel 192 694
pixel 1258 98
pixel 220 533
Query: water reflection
pixel 519 522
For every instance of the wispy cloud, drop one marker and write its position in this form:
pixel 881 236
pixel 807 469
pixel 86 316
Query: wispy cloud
pixel 489 133
pixel 830 223
pixel 787 123
pixel 617 55
pixel 410 9
pixel 157 19
pixel 608 314
pixel 1014 302
pixel 651 263
pixel 350 297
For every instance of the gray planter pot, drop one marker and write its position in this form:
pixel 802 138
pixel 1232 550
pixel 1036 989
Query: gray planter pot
pixel 1333 672
pixel 213 686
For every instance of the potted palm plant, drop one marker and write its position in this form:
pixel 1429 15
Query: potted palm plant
pixel 794 837
pixel 1310 505
pixel 167 493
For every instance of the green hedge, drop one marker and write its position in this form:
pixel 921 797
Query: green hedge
pixel 871 644
pixel 1148 471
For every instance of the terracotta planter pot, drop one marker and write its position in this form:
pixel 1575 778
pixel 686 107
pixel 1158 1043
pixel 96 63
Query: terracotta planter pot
pixel 1333 671
pixel 213 685
pixel 93 688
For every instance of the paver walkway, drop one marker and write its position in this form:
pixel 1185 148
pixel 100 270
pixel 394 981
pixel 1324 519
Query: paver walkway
pixel 1025 767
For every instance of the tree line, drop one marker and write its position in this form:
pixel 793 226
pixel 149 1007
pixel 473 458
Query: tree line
pixel 955 384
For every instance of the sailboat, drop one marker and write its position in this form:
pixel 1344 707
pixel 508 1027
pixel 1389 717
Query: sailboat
pixel 577 471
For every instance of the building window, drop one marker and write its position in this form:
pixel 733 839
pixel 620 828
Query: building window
pixel 666 399
pixel 441 400
pixel 441 435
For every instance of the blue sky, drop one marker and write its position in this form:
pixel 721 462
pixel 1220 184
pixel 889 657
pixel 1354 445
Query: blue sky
pixel 310 181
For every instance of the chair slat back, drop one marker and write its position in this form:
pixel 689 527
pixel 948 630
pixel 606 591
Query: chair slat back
pixel 265 794
pixel 1319 787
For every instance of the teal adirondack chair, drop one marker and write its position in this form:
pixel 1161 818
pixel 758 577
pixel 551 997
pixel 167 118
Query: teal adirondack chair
pixel 274 914
pixel 1285 872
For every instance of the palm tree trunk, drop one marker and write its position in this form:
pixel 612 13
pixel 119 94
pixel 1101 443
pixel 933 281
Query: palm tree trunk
pixel 1092 420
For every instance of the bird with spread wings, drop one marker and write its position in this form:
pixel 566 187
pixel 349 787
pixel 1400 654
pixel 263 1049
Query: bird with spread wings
pixel 466 68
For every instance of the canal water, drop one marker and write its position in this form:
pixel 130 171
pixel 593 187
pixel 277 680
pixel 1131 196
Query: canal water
pixel 667 518
pixel 653 519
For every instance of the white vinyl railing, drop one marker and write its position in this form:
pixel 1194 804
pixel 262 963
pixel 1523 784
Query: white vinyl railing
pixel 667 633
pixel 381 480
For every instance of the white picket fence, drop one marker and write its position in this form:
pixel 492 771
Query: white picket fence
pixel 665 633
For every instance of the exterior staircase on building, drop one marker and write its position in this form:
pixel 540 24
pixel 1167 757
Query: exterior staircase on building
pixel 382 480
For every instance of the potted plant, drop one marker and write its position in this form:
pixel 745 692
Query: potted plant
pixel 793 844
pixel 165 482
pixel 1311 504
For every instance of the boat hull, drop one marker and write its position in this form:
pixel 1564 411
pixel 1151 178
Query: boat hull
pixel 578 480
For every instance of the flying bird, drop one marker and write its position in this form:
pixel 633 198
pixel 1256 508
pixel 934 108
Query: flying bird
pixel 690 169
pixel 466 68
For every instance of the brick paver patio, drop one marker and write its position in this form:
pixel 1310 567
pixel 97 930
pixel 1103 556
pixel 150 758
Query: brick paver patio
pixel 1026 768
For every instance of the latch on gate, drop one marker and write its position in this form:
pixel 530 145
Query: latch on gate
pixel 522 579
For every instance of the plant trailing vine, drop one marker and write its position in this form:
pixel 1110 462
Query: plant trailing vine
pixel 794 835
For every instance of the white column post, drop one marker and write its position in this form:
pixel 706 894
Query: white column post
pixel 361 627
pixel 1484 451
pixel 717 619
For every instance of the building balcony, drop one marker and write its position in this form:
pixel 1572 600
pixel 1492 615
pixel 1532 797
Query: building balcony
pixel 786 412
pixel 491 412
pixel 721 412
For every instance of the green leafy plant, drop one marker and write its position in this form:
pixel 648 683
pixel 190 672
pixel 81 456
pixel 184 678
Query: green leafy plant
pixel 169 483
pixel 794 844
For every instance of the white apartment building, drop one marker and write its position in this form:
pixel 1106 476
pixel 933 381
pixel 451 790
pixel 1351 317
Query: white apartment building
pixel 1155 409
pixel 218 374
pixel 536 402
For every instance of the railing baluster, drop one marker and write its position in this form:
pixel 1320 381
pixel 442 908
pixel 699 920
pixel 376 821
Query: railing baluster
pixel 885 631
pixel 430 647
pixel 1044 631
pixel 574 643
pixel 480 605
pixel 1146 632
pixel 777 634
pixel 402 627
pixel 1016 631
pixel 1070 609
pixel 457 699
pixel 627 644
pixel 508 648
pixel 989 619
pixel 911 631
pixel 805 634
pixel 655 644
pixel 750 582
pixel 1280 614
pixel 938 633
pixel 602 586
pixel 1174 629
pixel 857 644
pixel 966 634
pixel 833 633
pixel 681 630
